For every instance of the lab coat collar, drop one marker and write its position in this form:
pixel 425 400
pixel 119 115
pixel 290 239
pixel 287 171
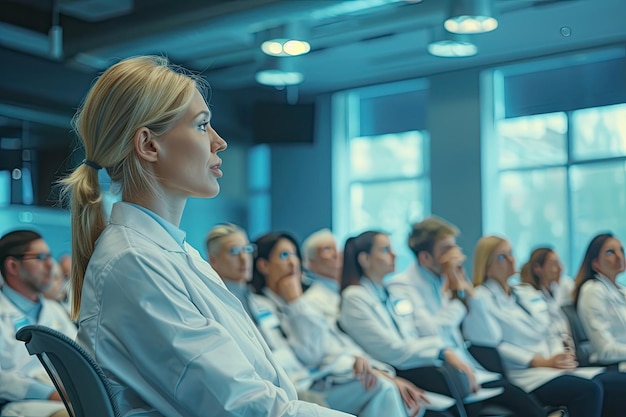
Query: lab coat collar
pixel 611 287
pixel 496 289
pixel 277 299
pixel 126 215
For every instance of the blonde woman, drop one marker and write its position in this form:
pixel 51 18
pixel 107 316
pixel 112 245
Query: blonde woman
pixel 534 357
pixel 171 338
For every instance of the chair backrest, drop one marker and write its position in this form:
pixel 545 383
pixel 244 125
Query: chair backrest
pixel 583 346
pixel 489 358
pixel 80 381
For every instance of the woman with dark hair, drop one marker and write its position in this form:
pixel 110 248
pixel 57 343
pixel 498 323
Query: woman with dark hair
pixel 352 384
pixel 384 324
pixel 601 300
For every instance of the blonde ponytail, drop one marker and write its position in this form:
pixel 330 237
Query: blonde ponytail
pixel 83 191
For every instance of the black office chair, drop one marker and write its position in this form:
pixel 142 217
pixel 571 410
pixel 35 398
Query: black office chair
pixel 581 341
pixel 84 388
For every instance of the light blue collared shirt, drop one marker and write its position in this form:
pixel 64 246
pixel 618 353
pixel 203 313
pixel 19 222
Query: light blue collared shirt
pixel 177 234
pixel 436 284
pixel 30 308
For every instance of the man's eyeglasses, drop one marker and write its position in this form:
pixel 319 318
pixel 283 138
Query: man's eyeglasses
pixel 30 256
pixel 248 249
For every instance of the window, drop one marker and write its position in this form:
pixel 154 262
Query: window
pixel 561 175
pixel 259 188
pixel 381 163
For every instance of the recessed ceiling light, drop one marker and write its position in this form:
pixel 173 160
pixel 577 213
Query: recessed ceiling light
pixel 278 77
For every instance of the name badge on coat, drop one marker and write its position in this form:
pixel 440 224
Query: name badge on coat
pixel 402 306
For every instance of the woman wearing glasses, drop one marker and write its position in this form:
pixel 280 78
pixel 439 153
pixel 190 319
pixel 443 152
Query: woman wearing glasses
pixel 171 338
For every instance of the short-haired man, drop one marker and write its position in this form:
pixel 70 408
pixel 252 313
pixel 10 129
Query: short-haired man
pixel 441 296
pixel 322 264
pixel 26 264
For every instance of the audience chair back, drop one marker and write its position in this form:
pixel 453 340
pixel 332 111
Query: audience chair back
pixel 79 380
pixel 581 341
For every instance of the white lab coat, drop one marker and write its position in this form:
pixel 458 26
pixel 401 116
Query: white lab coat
pixel 18 369
pixel 435 313
pixel 602 311
pixel 169 335
pixel 560 294
pixel 393 340
pixel 334 353
pixel 521 334
pixel 325 299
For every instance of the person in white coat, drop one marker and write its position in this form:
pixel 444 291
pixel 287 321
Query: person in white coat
pixel 543 272
pixel 26 264
pixel 442 296
pixel 383 324
pixel 535 358
pixel 231 254
pixel 601 300
pixel 171 338
pixel 322 271
pixel 360 386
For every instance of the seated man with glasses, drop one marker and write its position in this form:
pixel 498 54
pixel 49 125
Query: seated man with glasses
pixel 26 265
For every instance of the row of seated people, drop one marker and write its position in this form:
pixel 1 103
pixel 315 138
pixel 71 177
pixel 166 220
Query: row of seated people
pixel 415 319
pixel 418 324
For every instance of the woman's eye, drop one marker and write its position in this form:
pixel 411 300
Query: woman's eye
pixel 203 126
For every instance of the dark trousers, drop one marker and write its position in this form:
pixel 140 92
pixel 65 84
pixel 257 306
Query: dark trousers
pixel 512 398
pixel 613 383
pixel 430 413
pixel 582 397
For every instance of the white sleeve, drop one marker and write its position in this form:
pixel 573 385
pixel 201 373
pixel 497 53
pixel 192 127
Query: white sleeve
pixel 480 326
pixel 161 345
pixel 306 331
pixel 384 343
pixel 596 319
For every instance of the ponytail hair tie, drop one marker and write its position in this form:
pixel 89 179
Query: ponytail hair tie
pixel 91 164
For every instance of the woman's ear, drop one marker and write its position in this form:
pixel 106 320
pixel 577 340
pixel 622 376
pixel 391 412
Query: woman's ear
pixel 595 265
pixel 261 265
pixel 363 259
pixel 537 270
pixel 145 145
